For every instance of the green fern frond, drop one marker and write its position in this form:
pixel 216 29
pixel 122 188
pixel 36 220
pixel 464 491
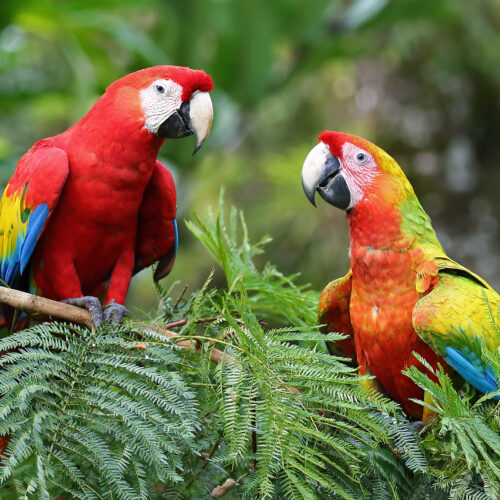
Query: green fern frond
pixel 91 416
pixel 465 439
pixel 79 407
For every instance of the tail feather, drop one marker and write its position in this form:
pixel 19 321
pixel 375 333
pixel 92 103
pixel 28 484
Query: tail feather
pixel 472 370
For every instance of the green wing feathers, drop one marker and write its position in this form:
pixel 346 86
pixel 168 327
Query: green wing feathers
pixel 458 317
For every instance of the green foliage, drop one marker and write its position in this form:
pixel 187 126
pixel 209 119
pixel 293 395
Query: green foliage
pixel 291 417
pixel 124 413
pixel 270 294
pixel 90 416
pixel 463 444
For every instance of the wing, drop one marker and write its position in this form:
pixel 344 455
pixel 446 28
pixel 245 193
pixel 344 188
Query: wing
pixel 157 228
pixel 459 315
pixel 333 311
pixel 27 202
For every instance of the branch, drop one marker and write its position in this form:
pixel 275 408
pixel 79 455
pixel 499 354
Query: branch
pixel 216 355
pixel 33 304
pixel 220 491
pixel 184 321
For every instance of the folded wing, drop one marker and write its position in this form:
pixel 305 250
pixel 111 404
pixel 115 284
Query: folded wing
pixel 458 317
pixel 27 203
pixel 157 227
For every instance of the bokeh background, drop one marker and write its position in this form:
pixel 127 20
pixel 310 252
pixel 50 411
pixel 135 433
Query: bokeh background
pixel 421 78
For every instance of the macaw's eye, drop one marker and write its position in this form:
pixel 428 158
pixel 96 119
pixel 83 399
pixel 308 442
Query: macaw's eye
pixel 160 89
pixel 362 157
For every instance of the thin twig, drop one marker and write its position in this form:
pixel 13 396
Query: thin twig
pixel 216 355
pixel 206 457
pixel 179 298
pixel 184 321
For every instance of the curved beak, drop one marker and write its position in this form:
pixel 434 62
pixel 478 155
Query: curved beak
pixel 193 117
pixel 321 172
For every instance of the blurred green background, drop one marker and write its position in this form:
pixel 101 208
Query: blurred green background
pixel 421 78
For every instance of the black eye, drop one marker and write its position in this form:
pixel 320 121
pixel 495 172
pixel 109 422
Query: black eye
pixel 362 157
pixel 160 88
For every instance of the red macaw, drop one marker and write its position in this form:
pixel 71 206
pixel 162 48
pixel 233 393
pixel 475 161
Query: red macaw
pixel 88 208
pixel 402 293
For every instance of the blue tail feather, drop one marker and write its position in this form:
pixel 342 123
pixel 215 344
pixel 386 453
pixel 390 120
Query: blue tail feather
pixel 174 221
pixel 482 379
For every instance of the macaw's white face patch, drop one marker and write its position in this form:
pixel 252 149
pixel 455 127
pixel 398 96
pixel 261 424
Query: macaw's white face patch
pixel 159 100
pixel 359 169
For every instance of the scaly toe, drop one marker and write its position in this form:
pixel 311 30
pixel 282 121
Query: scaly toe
pixel 93 306
pixel 115 312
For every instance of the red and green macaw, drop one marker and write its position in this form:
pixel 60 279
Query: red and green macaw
pixel 402 293
pixel 88 208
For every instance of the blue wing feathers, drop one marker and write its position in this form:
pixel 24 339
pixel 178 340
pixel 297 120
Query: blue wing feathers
pixel 10 266
pixel 174 221
pixel 13 266
pixel 472 370
pixel 36 223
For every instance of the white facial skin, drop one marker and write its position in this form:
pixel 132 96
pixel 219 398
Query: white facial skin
pixel 359 169
pixel 159 100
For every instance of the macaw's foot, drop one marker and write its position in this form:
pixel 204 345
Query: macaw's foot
pixel 92 304
pixel 418 425
pixel 115 312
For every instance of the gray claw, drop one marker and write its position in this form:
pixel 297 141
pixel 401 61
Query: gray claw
pixel 115 312
pixel 93 306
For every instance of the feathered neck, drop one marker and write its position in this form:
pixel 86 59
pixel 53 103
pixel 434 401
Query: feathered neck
pixel 390 217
